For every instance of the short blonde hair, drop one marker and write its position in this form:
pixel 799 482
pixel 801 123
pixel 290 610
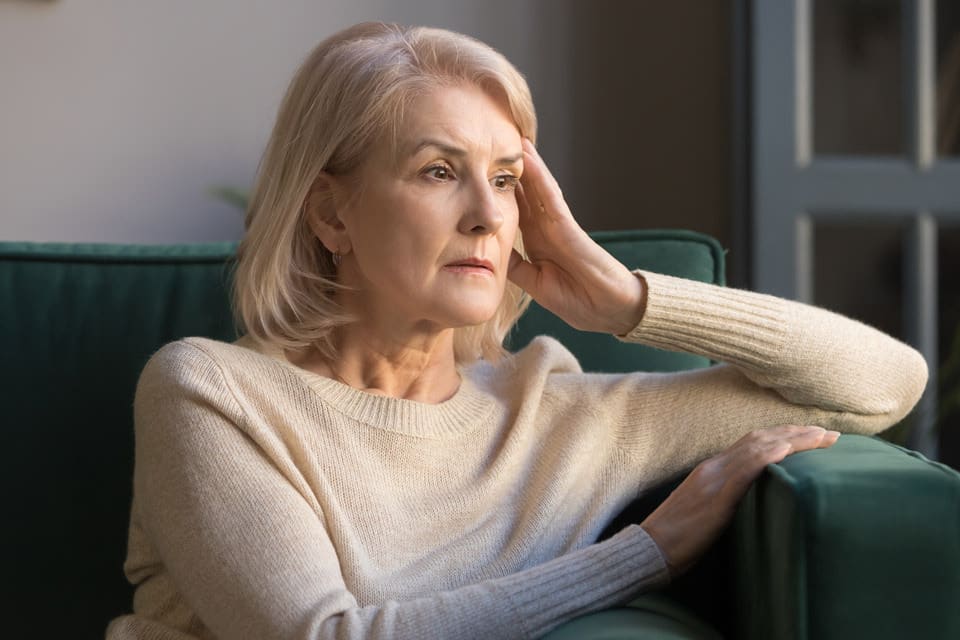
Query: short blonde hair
pixel 351 91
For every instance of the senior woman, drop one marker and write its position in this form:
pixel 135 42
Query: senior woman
pixel 368 462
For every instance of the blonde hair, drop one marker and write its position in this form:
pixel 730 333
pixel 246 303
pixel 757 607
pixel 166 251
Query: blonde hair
pixel 350 91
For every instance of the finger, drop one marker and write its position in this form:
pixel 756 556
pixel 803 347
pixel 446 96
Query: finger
pixel 797 433
pixel 535 181
pixel 763 446
pixel 829 439
pixel 523 207
pixel 751 453
pixel 528 181
pixel 813 438
pixel 540 185
pixel 541 164
pixel 522 273
pixel 747 462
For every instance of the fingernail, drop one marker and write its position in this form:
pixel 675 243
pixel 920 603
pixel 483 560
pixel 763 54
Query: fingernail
pixel 834 433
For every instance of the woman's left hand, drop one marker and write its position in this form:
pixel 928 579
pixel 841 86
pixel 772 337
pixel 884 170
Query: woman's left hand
pixel 566 271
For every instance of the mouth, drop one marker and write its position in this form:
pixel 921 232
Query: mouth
pixel 480 266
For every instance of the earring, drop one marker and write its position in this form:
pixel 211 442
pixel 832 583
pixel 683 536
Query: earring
pixel 337 258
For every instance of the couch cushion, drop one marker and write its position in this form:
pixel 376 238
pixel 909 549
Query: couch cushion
pixel 649 617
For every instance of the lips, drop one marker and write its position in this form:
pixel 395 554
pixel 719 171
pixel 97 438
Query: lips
pixel 471 263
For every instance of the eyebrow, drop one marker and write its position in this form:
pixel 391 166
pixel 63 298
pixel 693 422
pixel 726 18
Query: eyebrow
pixel 457 151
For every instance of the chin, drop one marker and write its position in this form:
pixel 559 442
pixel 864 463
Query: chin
pixel 472 320
pixel 462 306
pixel 472 315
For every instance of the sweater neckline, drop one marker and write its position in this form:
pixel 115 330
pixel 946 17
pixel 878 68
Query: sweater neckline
pixel 467 408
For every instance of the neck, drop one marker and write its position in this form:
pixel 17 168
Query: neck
pixel 412 365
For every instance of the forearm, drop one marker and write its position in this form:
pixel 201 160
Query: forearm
pixel 526 604
pixel 809 356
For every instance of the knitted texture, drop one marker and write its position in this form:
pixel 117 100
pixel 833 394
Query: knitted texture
pixel 270 502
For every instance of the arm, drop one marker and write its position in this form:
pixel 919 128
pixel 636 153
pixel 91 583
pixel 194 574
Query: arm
pixel 809 356
pixel 244 542
pixel 788 363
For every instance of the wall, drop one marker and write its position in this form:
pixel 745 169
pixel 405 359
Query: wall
pixel 118 117
pixel 653 113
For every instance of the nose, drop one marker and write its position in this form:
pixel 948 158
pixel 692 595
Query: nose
pixel 482 214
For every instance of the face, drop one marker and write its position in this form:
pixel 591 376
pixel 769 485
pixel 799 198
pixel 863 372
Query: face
pixel 431 229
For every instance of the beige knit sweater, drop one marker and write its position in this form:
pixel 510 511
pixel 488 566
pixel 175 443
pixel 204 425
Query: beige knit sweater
pixel 270 502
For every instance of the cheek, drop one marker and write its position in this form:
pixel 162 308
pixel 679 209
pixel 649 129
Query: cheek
pixel 511 214
pixel 394 229
pixel 509 234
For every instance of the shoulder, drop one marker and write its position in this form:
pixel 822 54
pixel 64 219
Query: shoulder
pixel 198 380
pixel 528 371
pixel 193 352
pixel 206 366
pixel 186 357
pixel 183 367
pixel 544 354
pixel 548 354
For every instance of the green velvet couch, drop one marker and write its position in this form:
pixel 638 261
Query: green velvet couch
pixel 858 541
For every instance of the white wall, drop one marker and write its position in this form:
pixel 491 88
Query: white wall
pixel 118 116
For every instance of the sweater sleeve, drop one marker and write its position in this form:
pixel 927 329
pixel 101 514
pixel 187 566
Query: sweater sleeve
pixel 783 362
pixel 250 555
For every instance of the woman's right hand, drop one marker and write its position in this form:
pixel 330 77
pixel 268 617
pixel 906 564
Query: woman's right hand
pixel 697 511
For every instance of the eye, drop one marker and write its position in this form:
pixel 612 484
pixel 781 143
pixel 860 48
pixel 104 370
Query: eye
pixel 505 182
pixel 439 172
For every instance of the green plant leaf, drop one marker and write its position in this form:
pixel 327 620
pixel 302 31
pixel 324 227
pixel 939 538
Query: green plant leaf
pixel 232 196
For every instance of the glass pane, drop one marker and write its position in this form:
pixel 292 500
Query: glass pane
pixel 948 290
pixel 858 272
pixel 857 77
pixel 948 77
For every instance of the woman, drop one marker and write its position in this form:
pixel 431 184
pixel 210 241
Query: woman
pixel 367 462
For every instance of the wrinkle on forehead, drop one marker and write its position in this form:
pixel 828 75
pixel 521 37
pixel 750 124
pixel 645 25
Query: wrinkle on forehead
pixel 462 116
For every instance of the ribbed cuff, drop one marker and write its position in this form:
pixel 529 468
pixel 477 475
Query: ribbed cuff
pixel 725 324
pixel 597 577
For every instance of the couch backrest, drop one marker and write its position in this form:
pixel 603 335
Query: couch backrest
pixel 77 324
pixel 675 252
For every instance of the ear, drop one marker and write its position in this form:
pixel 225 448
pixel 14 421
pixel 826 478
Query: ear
pixel 323 209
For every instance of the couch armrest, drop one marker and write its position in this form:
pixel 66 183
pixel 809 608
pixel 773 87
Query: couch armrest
pixel 861 540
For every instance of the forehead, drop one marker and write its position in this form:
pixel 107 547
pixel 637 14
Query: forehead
pixel 464 115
